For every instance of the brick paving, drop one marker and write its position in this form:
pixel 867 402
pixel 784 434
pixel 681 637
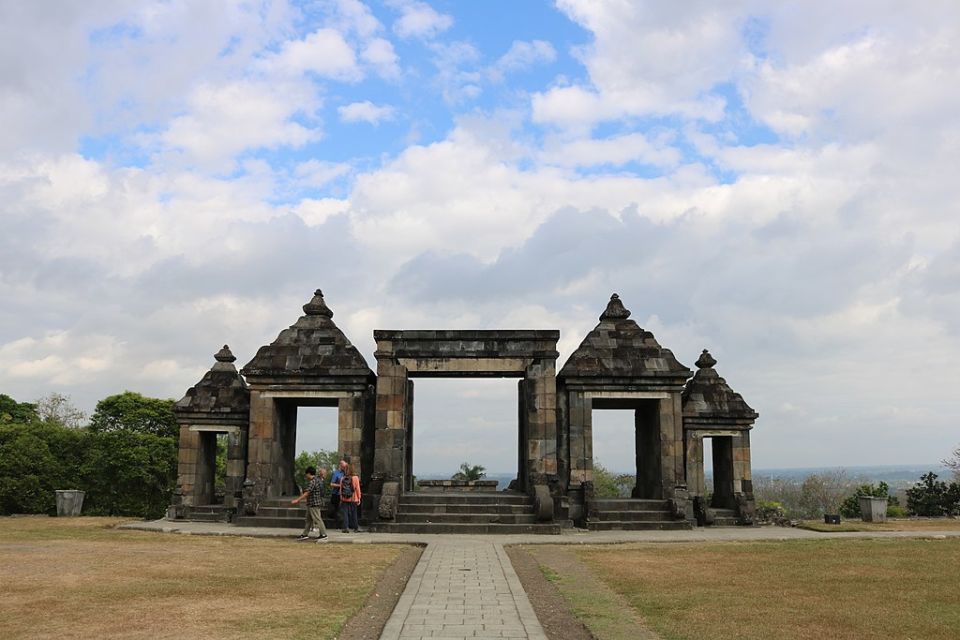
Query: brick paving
pixel 463 589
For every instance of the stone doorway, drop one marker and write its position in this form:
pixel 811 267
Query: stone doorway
pixel 404 355
pixel 720 445
pixel 646 442
pixel 465 420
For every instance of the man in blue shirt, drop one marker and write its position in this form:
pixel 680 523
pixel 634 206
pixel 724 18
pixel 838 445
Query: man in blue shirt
pixel 335 488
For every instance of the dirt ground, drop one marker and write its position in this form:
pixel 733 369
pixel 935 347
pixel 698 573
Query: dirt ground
pixel 81 578
pixel 553 611
pixel 368 623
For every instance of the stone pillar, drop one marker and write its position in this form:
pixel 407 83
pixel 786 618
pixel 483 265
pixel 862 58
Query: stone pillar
pixel 696 484
pixel 723 473
pixel 742 475
pixel 391 417
pixel 350 429
pixel 541 419
pixel 236 466
pixel 671 444
pixel 368 434
pixel 287 482
pixel 187 456
pixel 264 452
pixel 580 424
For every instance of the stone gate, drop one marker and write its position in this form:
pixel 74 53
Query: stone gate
pixel 618 365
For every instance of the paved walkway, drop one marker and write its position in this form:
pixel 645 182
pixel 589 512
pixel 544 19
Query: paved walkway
pixel 465 589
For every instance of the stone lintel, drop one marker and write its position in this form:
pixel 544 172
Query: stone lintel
pixel 226 420
pixel 622 385
pixel 706 422
pixel 468 366
pixel 309 393
pixel 211 428
pixel 707 433
pixel 627 395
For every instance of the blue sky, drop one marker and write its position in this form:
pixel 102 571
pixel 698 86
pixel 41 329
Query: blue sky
pixel 774 184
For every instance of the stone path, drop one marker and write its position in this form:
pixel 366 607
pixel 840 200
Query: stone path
pixel 463 589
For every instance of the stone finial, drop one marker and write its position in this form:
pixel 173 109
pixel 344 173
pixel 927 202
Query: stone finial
pixel 316 306
pixel 615 310
pixel 225 355
pixel 706 360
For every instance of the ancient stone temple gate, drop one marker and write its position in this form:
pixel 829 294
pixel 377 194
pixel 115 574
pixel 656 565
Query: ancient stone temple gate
pixel 617 366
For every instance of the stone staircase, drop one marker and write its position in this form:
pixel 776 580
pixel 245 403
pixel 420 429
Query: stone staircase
pixel 629 514
pixel 278 512
pixel 467 512
pixel 209 513
pixel 724 518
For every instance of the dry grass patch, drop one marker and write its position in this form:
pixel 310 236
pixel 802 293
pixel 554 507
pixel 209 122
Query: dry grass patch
pixel 839 589
pixel 78 578
pixel 913 524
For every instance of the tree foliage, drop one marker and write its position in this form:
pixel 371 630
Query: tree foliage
pixel 953 463
pixel 13 411
pixel 58 408
pixel 321 459
pixel 122 471
pixel 469 472
pixel 606 484
pixel 130 411
pixel 850 507
pixel 932 497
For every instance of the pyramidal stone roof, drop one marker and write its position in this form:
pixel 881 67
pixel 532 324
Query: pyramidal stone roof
pixel 313 347
pixel 707 398
pixel 619 348
pixel 221 396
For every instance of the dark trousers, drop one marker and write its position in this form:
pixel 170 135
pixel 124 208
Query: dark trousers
pixel 335 505
pixel 349 511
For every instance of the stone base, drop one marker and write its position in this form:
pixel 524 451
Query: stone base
pixel 457 485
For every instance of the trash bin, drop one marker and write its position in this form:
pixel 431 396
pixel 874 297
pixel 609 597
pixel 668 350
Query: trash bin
pixel 873 509
pixel 69 502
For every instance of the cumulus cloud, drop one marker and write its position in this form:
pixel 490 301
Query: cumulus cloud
pixel 365 111
pixel 749 180
pixel 419 19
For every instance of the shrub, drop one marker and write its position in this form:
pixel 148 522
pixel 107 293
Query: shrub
pixel 769 511
pixel 850 508
pixel 932 497
pixel 896 511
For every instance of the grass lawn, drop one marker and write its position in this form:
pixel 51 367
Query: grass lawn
pixel 837 589
pixel 926 524
pixel 78 578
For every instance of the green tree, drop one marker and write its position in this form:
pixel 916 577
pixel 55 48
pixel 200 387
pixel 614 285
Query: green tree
pixel 470 472
pixel 36 459
pixel 320 459
pixel 932 497
pixel 953 463
pixel 13 411
pixel 58 408
pixel 850 507
pixel 128 473
pixel 607 484
pixel 130 411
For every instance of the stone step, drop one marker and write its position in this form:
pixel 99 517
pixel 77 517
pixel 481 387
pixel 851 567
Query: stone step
pixel 467 518
pixel 433 527
pixel 639 525
pixel 652 516
pixel 464 498
pixel 725 522
pixel 466 508
pixel 284 501
pixel 282 512
pixel 630 504
pixel 202 516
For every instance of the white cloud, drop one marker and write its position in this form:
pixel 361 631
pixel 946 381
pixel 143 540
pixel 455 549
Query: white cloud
pixel 379 53
pixel 521 56
pixel 618 150
pixel 419 19
pixel 224 120
pixel 324 52
pixel 365 111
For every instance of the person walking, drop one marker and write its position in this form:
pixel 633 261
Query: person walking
pixel 349 499
pixel 314 495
